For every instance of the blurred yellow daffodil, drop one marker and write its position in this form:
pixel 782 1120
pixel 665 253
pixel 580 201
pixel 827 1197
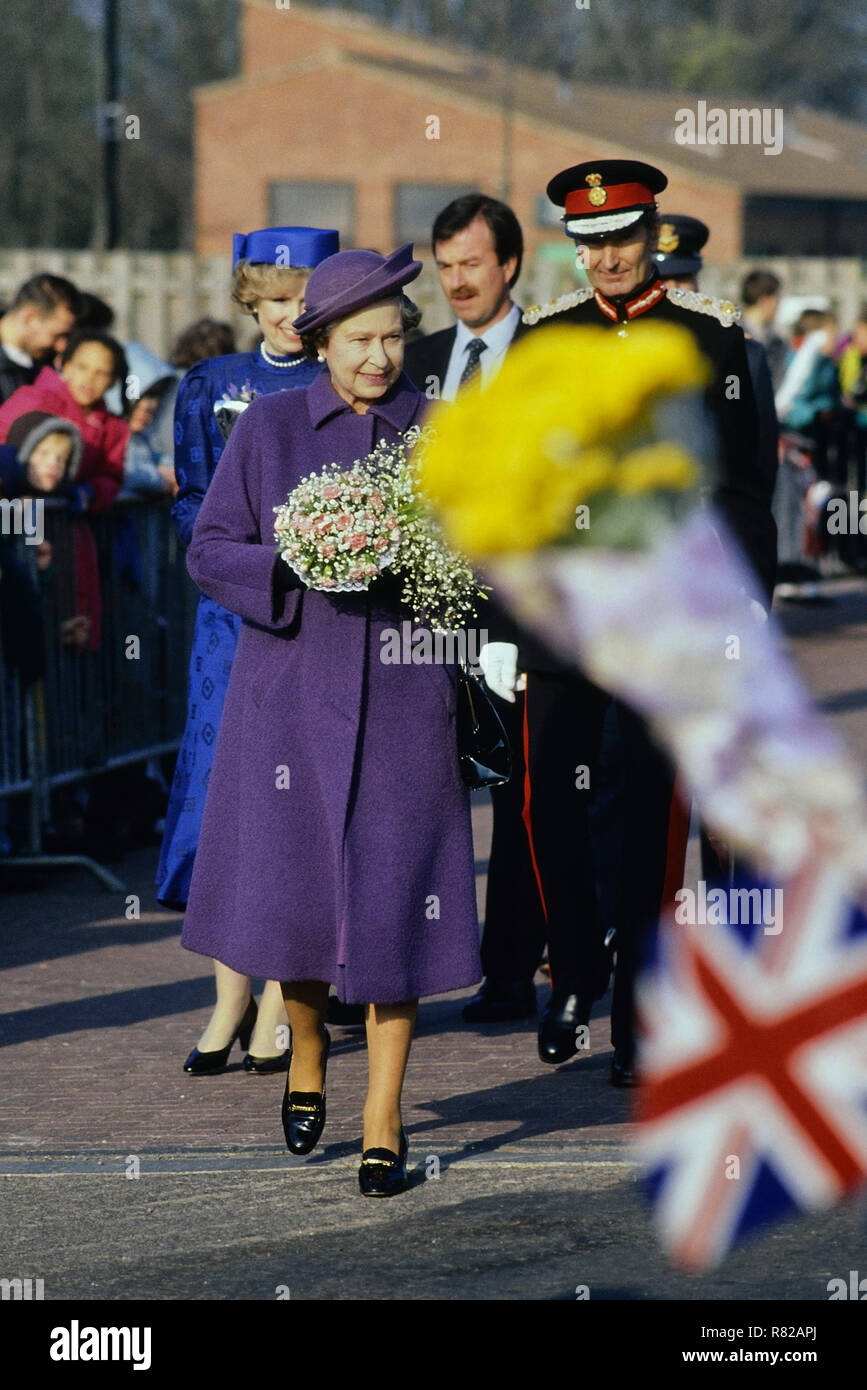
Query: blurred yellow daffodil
pixel 507 466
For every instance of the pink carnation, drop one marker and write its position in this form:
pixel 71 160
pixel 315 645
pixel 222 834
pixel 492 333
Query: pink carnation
pixel 344 520
pixel 328 550
pixel 381 543
pixel 357 542
pixel 330 491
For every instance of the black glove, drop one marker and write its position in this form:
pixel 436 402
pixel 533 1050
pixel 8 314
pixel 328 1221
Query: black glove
pixel 282 580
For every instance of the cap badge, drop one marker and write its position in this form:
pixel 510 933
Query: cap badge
pixel 668 238
pixel 597 196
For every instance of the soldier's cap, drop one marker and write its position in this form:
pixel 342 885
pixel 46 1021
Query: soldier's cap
pixel 603 196
pixel 680 241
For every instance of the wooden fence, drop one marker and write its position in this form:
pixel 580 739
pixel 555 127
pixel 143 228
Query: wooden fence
pixel 156 294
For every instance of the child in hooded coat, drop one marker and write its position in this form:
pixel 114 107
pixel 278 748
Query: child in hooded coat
pixel 92 361
pixel 42 458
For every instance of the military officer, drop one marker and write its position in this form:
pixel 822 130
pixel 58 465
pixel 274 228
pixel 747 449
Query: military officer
pixel 610 212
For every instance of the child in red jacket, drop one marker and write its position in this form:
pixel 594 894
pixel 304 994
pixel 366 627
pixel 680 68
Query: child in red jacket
pixel 92 362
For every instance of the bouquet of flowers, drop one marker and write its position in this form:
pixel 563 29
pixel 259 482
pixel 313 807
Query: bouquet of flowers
pixel 231 405
pixel 341 528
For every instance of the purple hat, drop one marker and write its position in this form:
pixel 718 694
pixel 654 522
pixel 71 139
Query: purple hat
pixel 354 280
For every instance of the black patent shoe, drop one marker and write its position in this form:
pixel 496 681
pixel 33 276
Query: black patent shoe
pixel 206 1063
pixel 557 1031
pixel 624 1071
pixel 263 1065
pixel 501 1002
pixel 382 1172
pixel 303 1112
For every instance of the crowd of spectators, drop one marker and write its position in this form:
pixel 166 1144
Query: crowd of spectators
pixel 86 422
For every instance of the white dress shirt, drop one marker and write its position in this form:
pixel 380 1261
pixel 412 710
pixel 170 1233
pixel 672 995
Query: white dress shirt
pixel 18 355
pixel 496 339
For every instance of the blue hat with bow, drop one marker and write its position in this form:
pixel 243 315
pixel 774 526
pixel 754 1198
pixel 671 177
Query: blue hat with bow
pixel 285 246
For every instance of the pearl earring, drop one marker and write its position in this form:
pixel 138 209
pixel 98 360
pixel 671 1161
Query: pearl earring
pixel 319 357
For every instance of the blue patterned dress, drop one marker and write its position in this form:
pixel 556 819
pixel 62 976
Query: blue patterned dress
pixel 198 446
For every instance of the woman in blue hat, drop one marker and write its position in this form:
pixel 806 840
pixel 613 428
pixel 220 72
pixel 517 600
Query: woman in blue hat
pixel 270 272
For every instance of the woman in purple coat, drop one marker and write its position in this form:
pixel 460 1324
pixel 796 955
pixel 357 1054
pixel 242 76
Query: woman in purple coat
pixel 336 844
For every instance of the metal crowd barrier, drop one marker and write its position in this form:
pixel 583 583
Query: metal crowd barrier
pixel 112 692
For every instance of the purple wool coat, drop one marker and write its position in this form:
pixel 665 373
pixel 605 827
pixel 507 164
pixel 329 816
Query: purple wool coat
pixel 360 871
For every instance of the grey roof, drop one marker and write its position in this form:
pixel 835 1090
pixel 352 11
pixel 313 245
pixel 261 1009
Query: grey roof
pixel 822 155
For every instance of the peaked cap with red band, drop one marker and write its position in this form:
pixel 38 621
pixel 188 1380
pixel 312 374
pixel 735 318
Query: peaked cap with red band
pixel 603 196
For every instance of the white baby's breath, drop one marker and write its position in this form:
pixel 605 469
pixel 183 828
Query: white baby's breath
pixel 342 527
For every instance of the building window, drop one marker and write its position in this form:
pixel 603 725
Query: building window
pixel 314 205
pixel 416 206
pixel 793 226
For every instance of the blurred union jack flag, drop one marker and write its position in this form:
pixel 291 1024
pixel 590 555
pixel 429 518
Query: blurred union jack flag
pixel 755 1068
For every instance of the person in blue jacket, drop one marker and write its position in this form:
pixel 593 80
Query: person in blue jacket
pixel 270 271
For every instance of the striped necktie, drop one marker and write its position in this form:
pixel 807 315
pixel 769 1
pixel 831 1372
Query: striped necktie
pixel 472 371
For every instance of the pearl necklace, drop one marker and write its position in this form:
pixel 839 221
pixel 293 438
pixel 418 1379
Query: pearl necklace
pixel 275 361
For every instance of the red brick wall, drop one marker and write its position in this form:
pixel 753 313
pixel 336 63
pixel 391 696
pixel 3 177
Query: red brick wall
pixel 343 124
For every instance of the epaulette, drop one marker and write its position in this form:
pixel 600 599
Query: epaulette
pixel 557 306
pixel 721 309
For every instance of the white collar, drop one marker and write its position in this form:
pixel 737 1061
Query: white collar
pixel 17 355
pixel 496 339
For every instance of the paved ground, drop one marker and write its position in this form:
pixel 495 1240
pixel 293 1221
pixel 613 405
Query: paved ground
pixel 536 1193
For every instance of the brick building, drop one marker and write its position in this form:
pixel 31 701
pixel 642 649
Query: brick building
pixel 335 120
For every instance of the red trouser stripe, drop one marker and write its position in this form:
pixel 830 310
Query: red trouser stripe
pixel 525 812
pixel 675 852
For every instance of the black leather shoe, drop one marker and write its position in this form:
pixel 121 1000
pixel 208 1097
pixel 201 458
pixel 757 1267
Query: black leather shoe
pixel 206 1063
pixel 382 1172
pixel 263 1065
pixel 623 1070
pixel 303 1112
pixel 557 1041
pixel 499 1002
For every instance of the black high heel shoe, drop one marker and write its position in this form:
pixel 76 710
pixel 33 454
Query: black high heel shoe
pixel 263 1065
pixel 382 1172
pixel 206 1063
pixel 303 1112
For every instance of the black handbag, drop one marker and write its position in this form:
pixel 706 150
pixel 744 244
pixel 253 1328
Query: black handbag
pixel 483 745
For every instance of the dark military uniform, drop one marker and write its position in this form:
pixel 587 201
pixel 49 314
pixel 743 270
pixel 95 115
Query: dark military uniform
pixel 565 712
pixel 678 257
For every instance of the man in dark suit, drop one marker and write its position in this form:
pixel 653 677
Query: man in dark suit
pixel 34 329
pixel 478 245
